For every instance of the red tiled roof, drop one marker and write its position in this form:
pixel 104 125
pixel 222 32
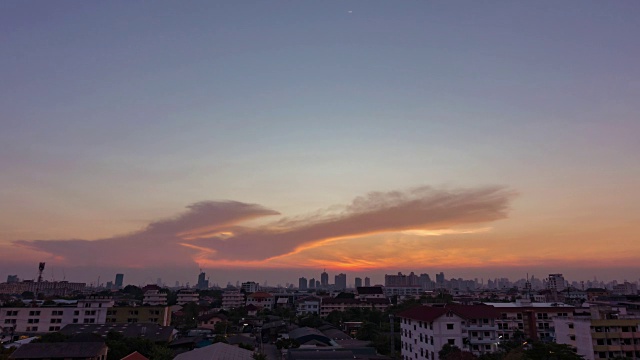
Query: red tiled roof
pixel 423 313
pixel 135 356
pixel 260 294
pixel 474 311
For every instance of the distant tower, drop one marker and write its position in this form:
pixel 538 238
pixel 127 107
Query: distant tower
pixel 367 281
pixel 203 283
pixel 302 283
pixel 358 282
pixel 119 280
pixel 341 281
pixel 324 279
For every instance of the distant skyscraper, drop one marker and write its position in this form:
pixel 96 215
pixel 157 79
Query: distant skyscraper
pixel 119 280
pixel 159 282
pixel 367 281
pixel 12 279
pixel 440 280
pixel 302 283
pixel 341 281
pixel 312 283
pixel 109 285
pixel 317 284
pixel 203 283
pixel 358 282
pixel 324 279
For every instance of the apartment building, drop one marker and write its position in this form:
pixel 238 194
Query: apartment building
pixel 154 298
pixel 606 333
pixel 308 305
pixel 232 300
pixel 535 320
pixel 426 329
pixel 160 315
pixel 186 296
pixel 26 320
pixel 336 304
pixel 262 300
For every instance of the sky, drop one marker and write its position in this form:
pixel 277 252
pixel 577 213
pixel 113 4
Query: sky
pixel 267 140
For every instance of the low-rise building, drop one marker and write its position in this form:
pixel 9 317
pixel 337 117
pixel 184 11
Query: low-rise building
pixel 232 300
pixel 262 300
pixel 341 304
pixel 186 296
pixel 535 320
pixel 61 350
pixel 160 315
pixel 308 305
pixel 154 298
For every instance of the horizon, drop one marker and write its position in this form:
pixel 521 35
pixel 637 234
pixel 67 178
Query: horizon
pixel 257 140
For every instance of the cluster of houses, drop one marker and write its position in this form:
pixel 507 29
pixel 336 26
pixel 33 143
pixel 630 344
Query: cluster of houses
pixel 601 325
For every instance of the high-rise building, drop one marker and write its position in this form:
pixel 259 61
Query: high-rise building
pixel 250 287
pixel 358 282
pixel 341 281
pixel 440 280
pixel 302 283
pixel 317 284
pixel 12 279
pixel 556 282
pixel 367 281
pixel 312 283
pixel 324 279
pixel 119 281
pixel 203 283
pixel 401 280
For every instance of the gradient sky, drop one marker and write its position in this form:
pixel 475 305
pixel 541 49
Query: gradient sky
pixel 266 140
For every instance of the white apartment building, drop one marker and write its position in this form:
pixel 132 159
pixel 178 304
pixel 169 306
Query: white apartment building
pixel 261 300
pixel 426 329
pixel 186 296
pixel 232 300
pixel 48 319
pixel 154 298
pixel 308 305
pixel 403 291
pixel 250 287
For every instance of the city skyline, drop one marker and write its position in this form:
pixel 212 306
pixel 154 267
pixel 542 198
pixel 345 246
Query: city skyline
pixel 257 140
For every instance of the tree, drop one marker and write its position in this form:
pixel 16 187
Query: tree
pixel 551 351
pixel 368 331
pixel 446 350
pixel 259 356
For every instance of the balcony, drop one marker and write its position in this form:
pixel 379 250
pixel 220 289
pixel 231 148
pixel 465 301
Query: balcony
pixel 482 340
pixel 481 327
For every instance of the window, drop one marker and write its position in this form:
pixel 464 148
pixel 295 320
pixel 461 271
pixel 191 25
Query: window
pixel 56 321
pixel 9 321
pixel 449 326
pixel 56 313
pixel 34 313
pixel 76 313
pixel 451 341
pixel 33 321
pixel 12 313
pixel 32 328
pixel 54 328
pixel 75 321
pixel 132 320
pixel 90 312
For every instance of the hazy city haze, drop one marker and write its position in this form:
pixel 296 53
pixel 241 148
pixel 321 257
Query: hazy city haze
pixel 269 140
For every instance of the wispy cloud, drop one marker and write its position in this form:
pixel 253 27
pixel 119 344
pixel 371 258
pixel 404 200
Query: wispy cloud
pixel 212 232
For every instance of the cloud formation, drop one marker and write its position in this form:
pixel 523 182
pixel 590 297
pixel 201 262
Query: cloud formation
pixel 214 233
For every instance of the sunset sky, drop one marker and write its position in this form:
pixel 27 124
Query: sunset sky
pixel 267 140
